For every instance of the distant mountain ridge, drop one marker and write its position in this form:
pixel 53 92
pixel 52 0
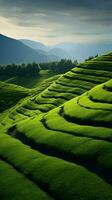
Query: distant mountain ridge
pixel 74 51
pixel 14 51
pixel 83 51
pixel 54 51
pixel 34 45
pixel 27 51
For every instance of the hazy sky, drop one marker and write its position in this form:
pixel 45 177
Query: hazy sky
pixel 52 22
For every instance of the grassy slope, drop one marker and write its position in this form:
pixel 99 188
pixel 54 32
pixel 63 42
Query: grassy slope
pixel 80 132
pixel 28 82
pixel 16 186
pixel 73 83
pixel 10 94
pixel 70 152
pixel 71 155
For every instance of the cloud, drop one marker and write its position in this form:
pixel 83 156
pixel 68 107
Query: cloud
pixel 59 19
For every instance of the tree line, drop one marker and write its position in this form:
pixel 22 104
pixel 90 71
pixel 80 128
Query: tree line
pixel 20 70
pixel 33 69
pixel 91 57
pixel 61 66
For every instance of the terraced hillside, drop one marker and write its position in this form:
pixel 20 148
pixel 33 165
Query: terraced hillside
pixel 10 94
pixel 15 97
pixel 71 149
pixel 28 81
pixel 69 85
pixel 75 82
pixel 63 152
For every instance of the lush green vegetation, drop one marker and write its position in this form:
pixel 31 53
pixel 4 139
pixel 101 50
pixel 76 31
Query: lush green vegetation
pixel 10 94
pixel 56 141
pixel 20 70
pixel 30 81
pixel 59 66
pixel 32 75
pixel 19 187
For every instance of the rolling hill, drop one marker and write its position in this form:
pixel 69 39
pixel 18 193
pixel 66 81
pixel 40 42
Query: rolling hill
pixel 28 81
pixel 73 83
pixel 69 85
pixel 74 138
pixel 10 94
pixel 56 143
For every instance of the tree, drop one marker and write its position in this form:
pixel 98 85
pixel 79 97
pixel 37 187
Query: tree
pixel 20 70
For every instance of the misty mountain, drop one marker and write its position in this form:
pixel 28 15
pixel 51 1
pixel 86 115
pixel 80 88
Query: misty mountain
pixel 49 51
pixel 83 51
pixel 34 45
pixel 14 51
pixel 69 50
pixel 26 51
pixel 59 52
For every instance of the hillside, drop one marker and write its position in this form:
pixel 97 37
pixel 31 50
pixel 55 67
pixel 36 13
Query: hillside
pixel 10 94
pixel 70 151
pixel 73 83
pixel 14 51
pixel 28 81
pixel 56 143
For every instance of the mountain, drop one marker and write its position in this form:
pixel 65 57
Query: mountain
pixel 14 51
pixel 83 51
pixel 59 52
pixel 34 45
pixel 49 51
pixel 75 51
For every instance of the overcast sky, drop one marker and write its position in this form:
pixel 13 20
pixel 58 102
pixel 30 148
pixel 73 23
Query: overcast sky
pixel 51 22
